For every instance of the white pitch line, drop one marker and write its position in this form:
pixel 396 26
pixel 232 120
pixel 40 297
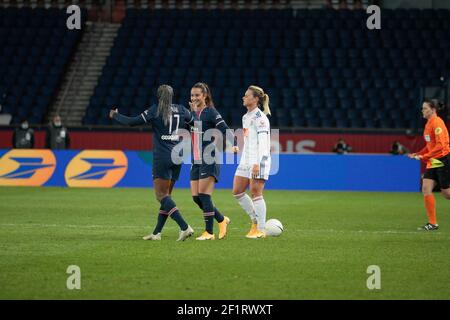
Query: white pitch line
pixel 41 225
pixel 93 226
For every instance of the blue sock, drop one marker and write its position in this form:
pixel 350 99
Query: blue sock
pixel 170 207
pixel 198 201
pixel 208 211
pixel 176 216
pixel 162 218
pixel 217 215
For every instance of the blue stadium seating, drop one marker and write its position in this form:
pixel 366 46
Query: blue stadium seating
pixel 35 47
pixel 328 70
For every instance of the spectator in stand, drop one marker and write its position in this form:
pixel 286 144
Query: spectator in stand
pixel 398 149
pixel 23 137
pixel 341 147
pixel 57 135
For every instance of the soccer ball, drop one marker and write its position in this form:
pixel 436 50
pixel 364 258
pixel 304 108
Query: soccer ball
pixel 274 227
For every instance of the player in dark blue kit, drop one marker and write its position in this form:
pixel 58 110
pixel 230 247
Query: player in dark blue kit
pixel 204 173
pixel 166 119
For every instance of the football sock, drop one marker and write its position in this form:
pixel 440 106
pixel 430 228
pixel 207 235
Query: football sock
pixel 208 211
pixel 246 203
pixel 260 211
pixel 197 201
pixel 162 218
pixel 170 207
pixel 217 215
pixel 430 206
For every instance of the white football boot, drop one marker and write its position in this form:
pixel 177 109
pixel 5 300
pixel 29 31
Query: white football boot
pixel 185 234
pixel 152 236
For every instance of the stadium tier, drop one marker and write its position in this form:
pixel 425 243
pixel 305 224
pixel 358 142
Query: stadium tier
pixel 321 68
pixel 35 48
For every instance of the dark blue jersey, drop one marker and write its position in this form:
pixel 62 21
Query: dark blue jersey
pixel 165 136
pixel 210 118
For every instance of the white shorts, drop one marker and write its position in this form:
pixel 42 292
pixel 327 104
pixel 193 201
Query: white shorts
pixel 246 171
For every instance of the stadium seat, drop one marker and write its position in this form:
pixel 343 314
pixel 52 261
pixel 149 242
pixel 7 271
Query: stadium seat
pixel 33 59
pixel 324 62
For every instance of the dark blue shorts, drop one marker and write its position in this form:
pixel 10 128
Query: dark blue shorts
pixel 202 171
pixel 165 169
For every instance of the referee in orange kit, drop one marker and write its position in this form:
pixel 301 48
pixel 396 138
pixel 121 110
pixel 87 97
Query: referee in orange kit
pixel 436 156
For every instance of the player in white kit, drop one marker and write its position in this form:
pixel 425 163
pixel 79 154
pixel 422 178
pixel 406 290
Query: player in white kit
pixel 254 167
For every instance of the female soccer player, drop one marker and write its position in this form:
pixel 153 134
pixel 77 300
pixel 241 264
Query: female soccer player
pixel 165 119
pixel 205 172
pixel 254 167
pixel 436 155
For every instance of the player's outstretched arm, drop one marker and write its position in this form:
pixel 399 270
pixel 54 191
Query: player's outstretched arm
pixel 190 116
pixel 222 126
pixel 128 121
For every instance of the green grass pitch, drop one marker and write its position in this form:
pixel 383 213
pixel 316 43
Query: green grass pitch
pixel 330 239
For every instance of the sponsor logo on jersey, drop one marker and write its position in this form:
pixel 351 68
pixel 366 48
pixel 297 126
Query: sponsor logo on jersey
pixel 196 130
pixel 427 138
pixel 96 169
pixel 170 137
pixel 26 167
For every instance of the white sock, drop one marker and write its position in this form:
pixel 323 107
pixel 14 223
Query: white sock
pixel 246 203
pixel 260 210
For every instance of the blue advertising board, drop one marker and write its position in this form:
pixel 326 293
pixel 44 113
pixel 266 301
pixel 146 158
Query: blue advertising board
pixel 115 168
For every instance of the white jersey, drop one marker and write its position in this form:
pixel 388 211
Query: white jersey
pixel 256 150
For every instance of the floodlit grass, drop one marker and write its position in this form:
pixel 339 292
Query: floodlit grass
pixel 330 239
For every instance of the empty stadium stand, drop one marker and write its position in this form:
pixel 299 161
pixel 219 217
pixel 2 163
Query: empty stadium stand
pixel 322 68
pixel 35 48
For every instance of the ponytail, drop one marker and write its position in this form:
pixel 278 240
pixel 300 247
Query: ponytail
pixel 266 107
pixel 442 110
pixel 165 96
pixel 441 107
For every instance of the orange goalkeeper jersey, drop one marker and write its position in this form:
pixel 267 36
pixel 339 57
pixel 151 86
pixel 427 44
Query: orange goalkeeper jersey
pixel 436 137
